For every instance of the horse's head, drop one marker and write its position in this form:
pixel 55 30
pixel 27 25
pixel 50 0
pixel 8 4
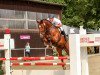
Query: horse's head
pixel 43 26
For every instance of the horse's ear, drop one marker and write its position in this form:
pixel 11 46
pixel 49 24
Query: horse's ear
pixel 38 21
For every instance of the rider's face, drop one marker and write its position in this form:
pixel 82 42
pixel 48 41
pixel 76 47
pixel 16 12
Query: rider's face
pixel 51 19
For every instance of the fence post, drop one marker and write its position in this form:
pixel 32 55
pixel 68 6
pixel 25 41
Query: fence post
pixel 24 53
pixel 75 61
pixel 45 51
pixel 7 53
pixel 84 55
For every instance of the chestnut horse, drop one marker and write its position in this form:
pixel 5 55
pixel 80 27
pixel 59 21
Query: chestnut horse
pixel 52 36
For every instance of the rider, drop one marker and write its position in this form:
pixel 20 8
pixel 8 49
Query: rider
pixel 56 22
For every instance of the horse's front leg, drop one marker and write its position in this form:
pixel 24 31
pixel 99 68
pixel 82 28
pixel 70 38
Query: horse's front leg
pixel 47 43
pixel 47 46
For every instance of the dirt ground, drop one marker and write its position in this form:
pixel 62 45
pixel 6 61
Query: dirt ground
pixel 94 64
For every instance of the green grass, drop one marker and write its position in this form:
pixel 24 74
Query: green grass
pixel 55 53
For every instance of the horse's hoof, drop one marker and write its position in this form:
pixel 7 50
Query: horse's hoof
pixel 47 47
pixel 64 68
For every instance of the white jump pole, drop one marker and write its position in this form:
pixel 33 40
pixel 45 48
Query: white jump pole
pixel 7 52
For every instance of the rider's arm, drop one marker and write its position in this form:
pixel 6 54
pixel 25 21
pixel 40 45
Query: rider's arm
pixel 58 25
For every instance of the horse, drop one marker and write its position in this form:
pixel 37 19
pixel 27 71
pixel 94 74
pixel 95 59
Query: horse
pixel 52 36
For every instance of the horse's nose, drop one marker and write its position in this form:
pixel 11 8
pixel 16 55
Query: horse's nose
pixel 41 35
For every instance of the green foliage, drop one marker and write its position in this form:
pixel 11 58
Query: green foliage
pixel 55 53
pixel 1 71
pixel 82 12
pixel 54 1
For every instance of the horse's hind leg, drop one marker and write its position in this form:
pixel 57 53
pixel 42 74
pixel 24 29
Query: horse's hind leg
pixel 59 50
pixel 66 48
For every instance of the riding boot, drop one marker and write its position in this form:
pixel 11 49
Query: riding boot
pixel 63 33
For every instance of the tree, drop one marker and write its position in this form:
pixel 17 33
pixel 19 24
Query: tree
pixel 82 12
pixel 1 71
pixel 54 1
